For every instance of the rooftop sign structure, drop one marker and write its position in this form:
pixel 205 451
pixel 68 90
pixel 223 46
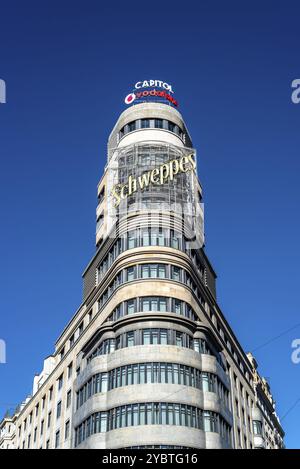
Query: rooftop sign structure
pixel 151 90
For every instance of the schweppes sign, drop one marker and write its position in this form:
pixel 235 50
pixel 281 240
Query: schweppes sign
pixel 157 176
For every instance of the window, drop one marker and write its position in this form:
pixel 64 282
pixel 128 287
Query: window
pixel 152 303
pixel 42 427
pixel 60 382
pixel 43 402
pixel 49 420
pixel 130 339
pixel 34 434
pixel 130 273
pixel 80 328
pixel 37 410
pixel 48 444
pixel 257 427
pixel 58 410
pixel 237 408
pixel 131 240
pixel 158 123
pixel 130 306
pixel 175 273
pixel 70 370
pixel 71 340
pixel 62 352
pixel 57 435
pixel 67 429
pixel 145 123
pixel 69 398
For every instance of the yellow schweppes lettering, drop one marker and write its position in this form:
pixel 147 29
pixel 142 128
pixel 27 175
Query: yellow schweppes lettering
pixel 157 176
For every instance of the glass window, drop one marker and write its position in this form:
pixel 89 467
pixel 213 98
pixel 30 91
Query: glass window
pixel 130 339
pixel 155 336
pixel 145 271
pixel 163 304
pixel 158 123
pixel 145 123
pixel 179 339
pixel 57 439
pixel 145 304
pixel 175 273
pixel 145 237
pixel 153 270
pixel 130 306
pixel 257 427
pixel 163 336
pixel 146 337
pixel 131 240
pixel 130 273
pixel 161 271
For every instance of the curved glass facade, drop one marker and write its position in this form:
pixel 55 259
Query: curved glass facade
pixel 150 336
pixel 156 123
pixel 152 413
pixel 145 373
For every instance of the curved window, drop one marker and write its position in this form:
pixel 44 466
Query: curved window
pixel 152 413
pixel 150 336
pixel 145 271
pixel 155 123
pixel 153 372
pixel 147 304
pixel 148 237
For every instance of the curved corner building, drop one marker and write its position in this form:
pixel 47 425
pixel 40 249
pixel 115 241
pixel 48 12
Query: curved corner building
pixel 149 360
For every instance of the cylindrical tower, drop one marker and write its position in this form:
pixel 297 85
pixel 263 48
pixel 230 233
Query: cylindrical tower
pixel 152 373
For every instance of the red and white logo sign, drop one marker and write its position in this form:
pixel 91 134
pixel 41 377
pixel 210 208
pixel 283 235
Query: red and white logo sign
pixel 130 98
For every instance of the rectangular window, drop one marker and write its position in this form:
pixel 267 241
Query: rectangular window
pixel 130 339
pixel 58 410
pixel 68 398
pixel 161 271
pixel 131 240
pixel 60 382
pixel 67 429
pixel 163 336
pixel 158 123
pixel 257 427
pixel 146 337
pixel 145 237
pixel 70 370
pixel 130 306
pixel 130 273
pixel 145 271
pixel 57 439
pixel 175 274
pixel 49 419
pixel 145 123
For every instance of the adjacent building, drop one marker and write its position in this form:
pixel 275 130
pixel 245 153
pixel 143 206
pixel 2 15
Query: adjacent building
pixel 148 360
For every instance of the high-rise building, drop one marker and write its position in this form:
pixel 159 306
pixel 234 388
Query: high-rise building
pixel 148 359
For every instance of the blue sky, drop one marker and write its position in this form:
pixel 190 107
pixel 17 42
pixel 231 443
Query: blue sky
pixel 68 66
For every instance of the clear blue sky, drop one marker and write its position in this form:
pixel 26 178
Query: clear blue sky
pixel 68 66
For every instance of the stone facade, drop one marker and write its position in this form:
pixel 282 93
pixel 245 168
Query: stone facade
pixel 148 358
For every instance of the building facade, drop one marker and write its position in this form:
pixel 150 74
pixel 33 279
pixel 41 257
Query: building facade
pixel 148 359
